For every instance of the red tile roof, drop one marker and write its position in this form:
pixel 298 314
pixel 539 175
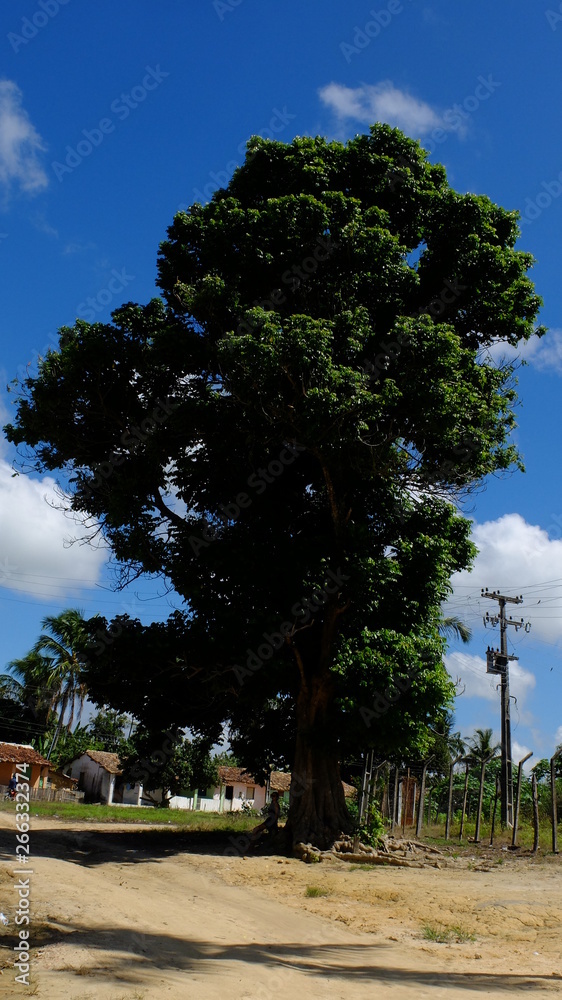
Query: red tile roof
pixel 349 790
pixel 280 781
pixel 21 753
pixel 109 761
pixel 232 775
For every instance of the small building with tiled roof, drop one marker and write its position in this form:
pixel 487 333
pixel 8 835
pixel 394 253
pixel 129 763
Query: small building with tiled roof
pixel 109 761
pixel 237 788
pixel 235 775
pixel 98 773
pixel 12 754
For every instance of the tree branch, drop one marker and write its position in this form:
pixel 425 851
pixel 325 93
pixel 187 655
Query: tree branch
pixel 166 512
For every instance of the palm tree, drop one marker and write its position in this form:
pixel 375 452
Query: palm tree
pixel 454 628
pixel 481 751
pixel 65 642
pixel 480 746
pixel 30 684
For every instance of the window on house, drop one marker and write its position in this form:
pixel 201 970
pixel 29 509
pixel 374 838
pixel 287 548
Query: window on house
pixel 250 791
pixel 229 792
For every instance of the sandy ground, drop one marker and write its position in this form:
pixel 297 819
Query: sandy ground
pixel 119 913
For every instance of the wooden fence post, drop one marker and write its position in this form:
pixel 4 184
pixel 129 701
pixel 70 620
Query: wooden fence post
pixel 405 798
pixel 535 812
pixel 480 798
pixel 366 784
pixel 450 799
pixel 518 799
pixel 395 800
pixel 421 799
pixel 494 810
pixel 554 802
pixel 464 798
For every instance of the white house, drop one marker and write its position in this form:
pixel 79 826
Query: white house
pixel 235 789
pixel 99 776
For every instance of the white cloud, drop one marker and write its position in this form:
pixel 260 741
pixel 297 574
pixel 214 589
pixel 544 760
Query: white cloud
pixel 544 353
pixel 521 682
pixel 516 558
pixel 20 144
pixel 382 102
pixel 35 557
pixel 558 736
pixel 470 671
pixel 470 674
pixel 518 751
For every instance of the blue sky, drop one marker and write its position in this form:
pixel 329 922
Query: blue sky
pixel 112 116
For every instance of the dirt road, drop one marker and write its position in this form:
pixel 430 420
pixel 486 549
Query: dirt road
pixel 122 914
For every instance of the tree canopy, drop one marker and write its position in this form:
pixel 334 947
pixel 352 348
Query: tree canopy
pixel 282 438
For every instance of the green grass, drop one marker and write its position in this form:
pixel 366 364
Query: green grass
pixel 313 891
pixel 177 818
pixel 434 834
pixel 446 934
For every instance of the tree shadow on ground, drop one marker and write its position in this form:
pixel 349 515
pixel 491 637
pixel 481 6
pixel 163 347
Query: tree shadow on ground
pixel 95 847
pixel 125 954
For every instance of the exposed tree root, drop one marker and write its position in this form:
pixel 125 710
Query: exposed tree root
pixel 398 853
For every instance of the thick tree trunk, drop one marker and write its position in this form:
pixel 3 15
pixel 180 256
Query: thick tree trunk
pixel 317 812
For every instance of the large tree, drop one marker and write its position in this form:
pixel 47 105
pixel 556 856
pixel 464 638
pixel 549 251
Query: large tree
pixel 283 438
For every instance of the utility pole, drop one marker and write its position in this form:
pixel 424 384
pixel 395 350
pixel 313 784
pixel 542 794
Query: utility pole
pixel 497 662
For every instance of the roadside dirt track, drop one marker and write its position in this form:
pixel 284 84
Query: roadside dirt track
pixel 120 913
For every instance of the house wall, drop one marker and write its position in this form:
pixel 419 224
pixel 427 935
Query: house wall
pixel 34 779
pixel 181 802
pixel 132 795
pixel 96 782
pixel 217 802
